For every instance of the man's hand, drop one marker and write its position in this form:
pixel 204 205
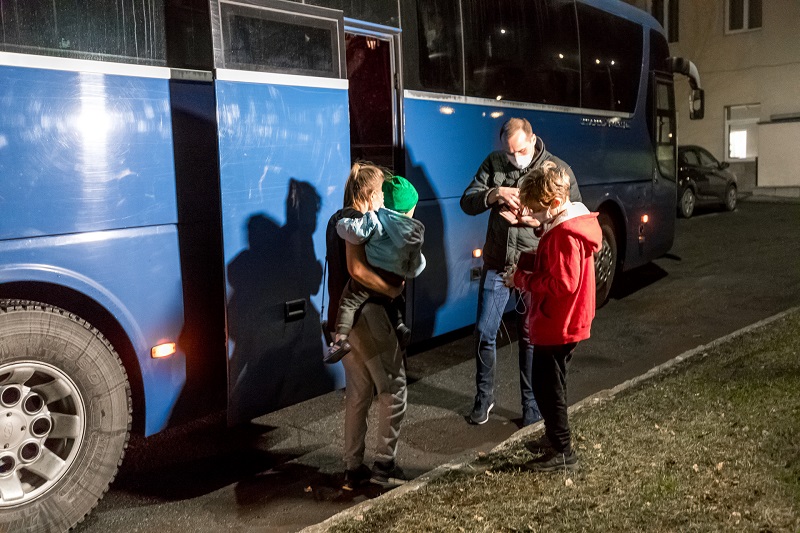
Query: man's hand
pixel 508 196
pixel 509 215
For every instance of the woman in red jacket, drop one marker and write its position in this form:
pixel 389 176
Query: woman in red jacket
pixel 562 291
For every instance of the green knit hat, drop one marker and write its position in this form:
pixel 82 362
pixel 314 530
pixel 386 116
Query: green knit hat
pixel 399 195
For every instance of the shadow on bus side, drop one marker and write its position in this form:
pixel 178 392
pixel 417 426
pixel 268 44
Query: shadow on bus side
pixel 278 266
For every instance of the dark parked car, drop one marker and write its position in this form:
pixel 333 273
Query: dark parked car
pixel 703 180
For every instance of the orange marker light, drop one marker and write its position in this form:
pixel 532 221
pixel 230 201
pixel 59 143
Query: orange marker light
pixel 163 350
pixel 477 252
pixel 645 218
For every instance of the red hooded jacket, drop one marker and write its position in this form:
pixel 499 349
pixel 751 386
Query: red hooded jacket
pixel 562 282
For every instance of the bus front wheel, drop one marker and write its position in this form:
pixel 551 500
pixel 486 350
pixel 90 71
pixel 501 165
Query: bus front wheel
pixel 65 415
pixel 605 261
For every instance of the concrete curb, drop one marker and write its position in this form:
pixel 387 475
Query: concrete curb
pixel 464 461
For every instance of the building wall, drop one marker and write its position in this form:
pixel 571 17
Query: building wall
pixel 754 67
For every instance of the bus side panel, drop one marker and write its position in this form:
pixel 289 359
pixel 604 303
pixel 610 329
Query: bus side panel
pixel 284 157
pixel 83 152
pixel 445 144
pixel 134 274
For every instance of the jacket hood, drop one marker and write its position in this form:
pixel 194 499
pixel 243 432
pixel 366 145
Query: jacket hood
pixel 578 221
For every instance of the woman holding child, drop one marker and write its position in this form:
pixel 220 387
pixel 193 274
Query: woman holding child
pixel 372 354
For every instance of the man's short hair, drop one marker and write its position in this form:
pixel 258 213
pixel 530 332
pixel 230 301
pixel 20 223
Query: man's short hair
pixel 513 125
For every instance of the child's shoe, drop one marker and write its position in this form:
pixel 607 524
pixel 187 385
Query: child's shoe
pixel 553 461
pixel 403 335
pixel 336 351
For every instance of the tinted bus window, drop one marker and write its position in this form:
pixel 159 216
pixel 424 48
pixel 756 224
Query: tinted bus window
pixel 611 60
pixel 432 45
pixel 124 30
pixel 277 41
pixel 522 50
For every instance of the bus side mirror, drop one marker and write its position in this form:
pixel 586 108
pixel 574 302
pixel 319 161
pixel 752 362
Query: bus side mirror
pixel 697 103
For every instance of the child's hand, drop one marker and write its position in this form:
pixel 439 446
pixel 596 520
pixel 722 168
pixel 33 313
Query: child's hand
pixel 508 276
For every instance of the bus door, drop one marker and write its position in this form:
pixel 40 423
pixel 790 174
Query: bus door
pixel 372 74
pixel 664 138
pixel 281 96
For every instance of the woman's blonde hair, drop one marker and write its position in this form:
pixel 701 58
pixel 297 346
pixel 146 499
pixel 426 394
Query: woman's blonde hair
pixel 364 179
pixel 542 185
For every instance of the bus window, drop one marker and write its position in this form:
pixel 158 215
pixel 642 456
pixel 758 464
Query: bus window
pixel 611 60
pixel 123 31
pixel 522 50
pixel 268 40
pixel 432 45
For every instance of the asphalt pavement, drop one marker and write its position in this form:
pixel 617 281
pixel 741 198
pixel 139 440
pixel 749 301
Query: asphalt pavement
pixel 282 472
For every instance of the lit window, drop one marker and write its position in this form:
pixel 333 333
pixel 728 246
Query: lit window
pixel 737 140
pixel 741 131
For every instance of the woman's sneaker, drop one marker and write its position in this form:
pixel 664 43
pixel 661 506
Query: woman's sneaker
pixel 388 475
pixel 358 477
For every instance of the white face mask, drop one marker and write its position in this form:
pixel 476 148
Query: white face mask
pixel 520 161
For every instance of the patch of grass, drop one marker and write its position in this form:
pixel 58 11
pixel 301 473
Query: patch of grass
pixel 711 445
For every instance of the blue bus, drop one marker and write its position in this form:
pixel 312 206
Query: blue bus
pixel 167 168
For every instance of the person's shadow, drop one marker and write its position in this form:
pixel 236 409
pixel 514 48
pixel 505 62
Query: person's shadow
pixel 275 344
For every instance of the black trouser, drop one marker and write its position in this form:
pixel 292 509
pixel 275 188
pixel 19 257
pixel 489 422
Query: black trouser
pixel 549 382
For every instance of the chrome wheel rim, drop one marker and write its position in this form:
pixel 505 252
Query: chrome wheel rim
pixel 687 202
pixel 42 422
pixel 730 199
pixel 603 264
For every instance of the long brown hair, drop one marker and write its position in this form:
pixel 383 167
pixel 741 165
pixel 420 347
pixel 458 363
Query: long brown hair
pixel 364 179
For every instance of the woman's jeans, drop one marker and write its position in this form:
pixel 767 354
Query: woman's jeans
pixel 492 300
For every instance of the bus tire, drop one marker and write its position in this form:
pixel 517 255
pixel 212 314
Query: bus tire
pixel 65 417
pixel 605 261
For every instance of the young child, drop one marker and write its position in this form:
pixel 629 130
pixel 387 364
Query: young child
pixel 562 289
pixel 393 247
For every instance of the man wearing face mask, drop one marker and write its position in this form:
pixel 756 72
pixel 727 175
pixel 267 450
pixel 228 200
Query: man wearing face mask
pixel 495 187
